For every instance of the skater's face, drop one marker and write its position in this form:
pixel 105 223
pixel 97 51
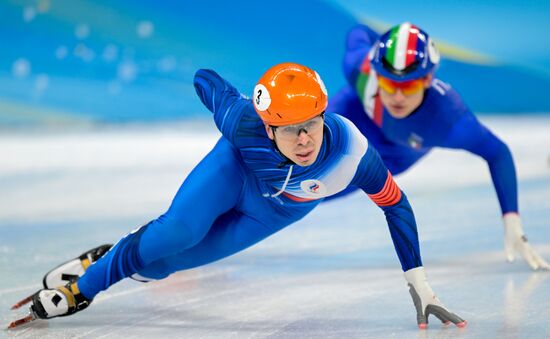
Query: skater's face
pixel 300 143
pixel 402 98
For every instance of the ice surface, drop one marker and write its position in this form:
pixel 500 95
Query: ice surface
pixel 333 274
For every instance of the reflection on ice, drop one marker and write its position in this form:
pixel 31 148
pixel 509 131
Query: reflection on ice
pixel 517 297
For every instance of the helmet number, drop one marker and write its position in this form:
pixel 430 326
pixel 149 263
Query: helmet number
pixel 262 100
pixel 258 97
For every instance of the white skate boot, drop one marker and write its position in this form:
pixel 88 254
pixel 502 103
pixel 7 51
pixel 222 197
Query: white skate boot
pixel 73 269
pixel 58 302
pixel 69 271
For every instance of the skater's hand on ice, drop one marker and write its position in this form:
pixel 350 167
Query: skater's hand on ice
pixel 426 302
pixel 515 240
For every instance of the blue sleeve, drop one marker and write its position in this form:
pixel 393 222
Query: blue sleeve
pixel 358 43
pixel 469 134
pixel 374 178
pixel 346 103
pixel 222 99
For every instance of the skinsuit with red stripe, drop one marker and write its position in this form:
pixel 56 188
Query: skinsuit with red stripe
pixel 245 190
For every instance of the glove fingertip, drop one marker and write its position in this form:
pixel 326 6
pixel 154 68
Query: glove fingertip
pixel 543 264
pixel 462 324
pixel 422 326
pixel 532 263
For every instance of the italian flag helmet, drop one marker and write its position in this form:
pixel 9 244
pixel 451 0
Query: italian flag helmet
pixel 403 53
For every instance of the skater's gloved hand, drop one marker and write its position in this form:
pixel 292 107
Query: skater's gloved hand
pixel 515 240
pixel 426 302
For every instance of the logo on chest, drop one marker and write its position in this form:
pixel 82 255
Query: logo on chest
pixel 415 141
pixel 313 187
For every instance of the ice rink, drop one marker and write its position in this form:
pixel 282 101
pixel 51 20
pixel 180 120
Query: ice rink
pixel 333 274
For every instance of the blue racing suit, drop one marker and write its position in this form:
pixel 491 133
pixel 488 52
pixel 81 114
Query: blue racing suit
pixel 441 120
pixel 245 190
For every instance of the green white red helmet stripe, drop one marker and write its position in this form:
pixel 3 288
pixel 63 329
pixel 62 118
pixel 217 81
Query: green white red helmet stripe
pixel 411 45
pixel 400 48
pixel 390 50
pixel 403 41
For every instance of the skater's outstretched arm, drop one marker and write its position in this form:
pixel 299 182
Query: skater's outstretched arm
pixel 469 134
pixel 378 183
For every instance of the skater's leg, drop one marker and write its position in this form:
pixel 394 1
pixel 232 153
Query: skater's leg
pixel 231 233
pixel 211 189
pixel 253 219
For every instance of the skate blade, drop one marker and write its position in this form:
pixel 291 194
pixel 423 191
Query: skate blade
pixel 22 321
pixel 22 302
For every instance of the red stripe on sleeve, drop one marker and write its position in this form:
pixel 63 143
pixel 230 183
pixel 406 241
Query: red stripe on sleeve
pixel 295 198
pixel 389 195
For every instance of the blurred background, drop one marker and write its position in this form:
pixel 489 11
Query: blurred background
pixel 66 63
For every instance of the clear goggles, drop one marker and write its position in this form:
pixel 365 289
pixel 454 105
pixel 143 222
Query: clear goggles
pixel 291 132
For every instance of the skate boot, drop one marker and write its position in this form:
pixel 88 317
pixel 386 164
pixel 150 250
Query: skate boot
pixel 58 302
pixel 73 269
pixel 54 302
pixel 69 271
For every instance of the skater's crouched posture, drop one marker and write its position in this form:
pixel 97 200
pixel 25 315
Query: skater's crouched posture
pixel 279 156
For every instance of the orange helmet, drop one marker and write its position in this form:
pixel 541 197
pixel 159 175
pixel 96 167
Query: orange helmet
pixel 289 93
